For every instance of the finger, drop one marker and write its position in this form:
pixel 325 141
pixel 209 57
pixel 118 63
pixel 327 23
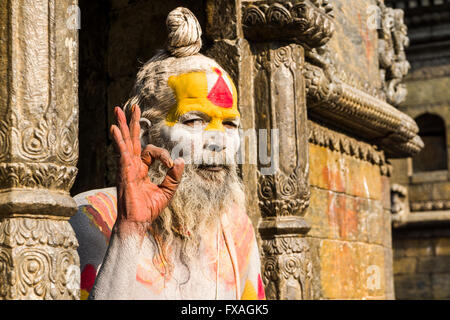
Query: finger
pixel 125 131
pixel 151 153
pixel 120 145
pixel 172 179
pixel 135 129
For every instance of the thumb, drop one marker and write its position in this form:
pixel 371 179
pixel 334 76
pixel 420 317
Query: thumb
pixel 172 179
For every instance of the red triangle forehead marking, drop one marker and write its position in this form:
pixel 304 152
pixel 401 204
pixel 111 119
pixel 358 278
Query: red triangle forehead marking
pixel 220 94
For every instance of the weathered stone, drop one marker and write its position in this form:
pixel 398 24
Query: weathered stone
pixel 413 247
pixel 426 175
pixel 389 272
pixel 352 270
pixel 38 149
pixel 375 222
pixel 443 247
pixel 341 173
pixel 414 286
pixel 440 284
pixel 405 265
pixel 434 264
pixel 428 92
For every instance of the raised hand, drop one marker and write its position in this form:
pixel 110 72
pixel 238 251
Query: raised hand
pixel 139 200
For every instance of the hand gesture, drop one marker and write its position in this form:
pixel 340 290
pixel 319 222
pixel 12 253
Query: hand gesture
pixel 140 201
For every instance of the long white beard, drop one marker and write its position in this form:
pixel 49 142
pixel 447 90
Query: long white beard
pixel 200 199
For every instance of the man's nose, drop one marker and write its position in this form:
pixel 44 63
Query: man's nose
pixel 215 147
pixel 214 141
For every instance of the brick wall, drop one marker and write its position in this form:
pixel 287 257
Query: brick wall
pixel 422 266
pixel 351 234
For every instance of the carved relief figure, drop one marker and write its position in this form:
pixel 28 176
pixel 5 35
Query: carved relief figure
pixel 175 226
pixel 393 40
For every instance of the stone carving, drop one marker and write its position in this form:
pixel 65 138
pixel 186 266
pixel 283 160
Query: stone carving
pixel 4 141
pixel 300 20
pixel 392 42
pixel 38 152
pixel 334 96
pixel 287 268
pixel 38 260
pixel 37 175
pixel 430 205
pixel 399 203
pixel 331 99
pixel 284 194
pixel 339 142
pixel 42 140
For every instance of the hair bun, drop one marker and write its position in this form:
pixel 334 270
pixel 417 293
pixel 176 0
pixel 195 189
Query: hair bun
pixel 184 33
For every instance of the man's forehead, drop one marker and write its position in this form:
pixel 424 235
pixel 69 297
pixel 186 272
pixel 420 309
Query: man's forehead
pixel 213 83
pixel 211 91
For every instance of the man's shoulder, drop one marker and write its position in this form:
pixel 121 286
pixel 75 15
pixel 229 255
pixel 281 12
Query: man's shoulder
pixel 97 209
pixel 86 197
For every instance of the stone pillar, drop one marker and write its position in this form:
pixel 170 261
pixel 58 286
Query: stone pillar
pixel 261 44
pixel 38 149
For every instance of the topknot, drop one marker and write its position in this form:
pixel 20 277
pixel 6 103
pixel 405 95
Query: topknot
pixel 184 33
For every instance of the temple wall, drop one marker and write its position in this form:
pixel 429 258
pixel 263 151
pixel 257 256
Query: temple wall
pixel 350 234
pixel 422 247
pixel 421 264
pixel 421 238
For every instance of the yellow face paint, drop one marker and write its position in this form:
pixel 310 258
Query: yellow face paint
pixel 207 92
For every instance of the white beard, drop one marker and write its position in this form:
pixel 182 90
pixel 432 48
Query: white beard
pixel 200 199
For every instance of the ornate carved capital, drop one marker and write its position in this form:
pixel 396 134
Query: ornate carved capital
pixel 38 260
pixel 303 21
pixel 288 271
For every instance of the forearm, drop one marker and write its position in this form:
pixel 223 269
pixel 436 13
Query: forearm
pixel 117 275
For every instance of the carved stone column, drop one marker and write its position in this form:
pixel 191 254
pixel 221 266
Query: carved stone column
pixel 283 194
pixel 262 44
pixel 38 149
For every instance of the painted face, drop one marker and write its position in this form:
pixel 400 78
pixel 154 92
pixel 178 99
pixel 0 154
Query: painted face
pixel 204 122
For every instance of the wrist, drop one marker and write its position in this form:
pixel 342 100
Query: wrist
pixel 125 228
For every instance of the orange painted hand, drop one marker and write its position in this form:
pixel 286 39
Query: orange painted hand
pixel 139 200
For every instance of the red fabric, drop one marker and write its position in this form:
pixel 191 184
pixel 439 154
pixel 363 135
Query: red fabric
pixel 220 94
pixel 261 293
pixel 88 277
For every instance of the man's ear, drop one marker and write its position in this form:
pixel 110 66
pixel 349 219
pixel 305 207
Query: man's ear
pixel 145 130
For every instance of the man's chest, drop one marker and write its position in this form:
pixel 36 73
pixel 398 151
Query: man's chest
pixel 170 273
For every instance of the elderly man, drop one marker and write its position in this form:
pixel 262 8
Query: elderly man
pixel 175 226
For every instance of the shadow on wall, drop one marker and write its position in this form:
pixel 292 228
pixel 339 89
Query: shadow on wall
pixel 434 155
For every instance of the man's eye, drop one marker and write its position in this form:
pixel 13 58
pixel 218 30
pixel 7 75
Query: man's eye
pixel 194 122
pixel 230 125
